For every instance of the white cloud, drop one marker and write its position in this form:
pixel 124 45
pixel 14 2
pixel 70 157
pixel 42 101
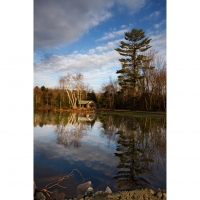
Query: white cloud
pixel 45 78
pixel 123 26
pixel 113 34
pixel 91 51
pixel 158 42
pixel 81 62
pixel 132 5
pixel 109 46
pixel 159 24
pixel 96 68
pixel 154 14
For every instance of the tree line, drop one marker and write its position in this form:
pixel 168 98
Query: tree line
pixel 67 95
pixel 141 83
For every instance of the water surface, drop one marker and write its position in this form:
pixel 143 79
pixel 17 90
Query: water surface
pixel 108 150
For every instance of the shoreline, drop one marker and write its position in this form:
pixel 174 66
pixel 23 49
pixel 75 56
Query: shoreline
pixel 136 194
pixel 109 111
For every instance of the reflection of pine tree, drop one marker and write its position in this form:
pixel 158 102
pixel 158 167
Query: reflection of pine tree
pixel 133 164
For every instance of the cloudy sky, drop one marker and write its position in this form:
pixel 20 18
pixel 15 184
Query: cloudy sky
pixel 81 36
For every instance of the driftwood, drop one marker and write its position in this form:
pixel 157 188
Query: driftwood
pixel 58 183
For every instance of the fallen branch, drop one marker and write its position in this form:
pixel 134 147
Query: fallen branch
pixel 57 183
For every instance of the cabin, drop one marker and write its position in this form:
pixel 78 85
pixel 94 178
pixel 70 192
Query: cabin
pixel 88 104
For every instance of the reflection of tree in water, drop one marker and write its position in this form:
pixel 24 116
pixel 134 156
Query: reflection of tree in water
pixel 141 148
pixel 109 127
pixel 70 131
pixel 133 162
pixel 42 118
pixel 154 140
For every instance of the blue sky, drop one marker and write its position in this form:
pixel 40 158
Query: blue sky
pixel 80 36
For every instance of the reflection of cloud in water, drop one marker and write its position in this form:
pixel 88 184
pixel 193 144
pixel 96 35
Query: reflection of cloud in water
pixel 97 152
pixel 45 131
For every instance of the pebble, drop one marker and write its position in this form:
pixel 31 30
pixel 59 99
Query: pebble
pixel 164 195
pixel 108 190
pixel 163 191
pixel 90 192
pixel 151 191
pixel 159 194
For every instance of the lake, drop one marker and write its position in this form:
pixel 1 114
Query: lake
pixel 121 152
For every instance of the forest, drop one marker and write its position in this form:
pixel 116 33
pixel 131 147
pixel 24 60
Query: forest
pixel 141 83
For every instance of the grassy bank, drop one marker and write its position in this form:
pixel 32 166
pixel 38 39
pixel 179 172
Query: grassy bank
pixel 145 114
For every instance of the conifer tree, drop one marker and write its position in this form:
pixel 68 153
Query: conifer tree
pixel 133 60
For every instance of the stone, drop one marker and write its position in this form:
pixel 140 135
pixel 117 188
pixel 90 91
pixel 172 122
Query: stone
pixel 98 192
pixel 40 196
pixel 89 192
pixel 108 190
pixel 163 191
pixel 159 194
pixel 82 188
pixel 151 191
pixel 159 190
pixel 164 196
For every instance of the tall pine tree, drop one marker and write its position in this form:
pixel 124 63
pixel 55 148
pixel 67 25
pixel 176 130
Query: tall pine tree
pixel 133 60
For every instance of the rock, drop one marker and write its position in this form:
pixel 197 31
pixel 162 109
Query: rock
pixel 151 191
pixel 108 190
pixel 98 192
pixel 83 187
pixel 89 192
pixel 163 191
pixel 159 194
pixel 164 196
pixel 40 196
pixel 159 190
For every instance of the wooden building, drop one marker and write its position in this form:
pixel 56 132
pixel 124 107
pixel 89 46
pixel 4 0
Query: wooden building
pixel 88 104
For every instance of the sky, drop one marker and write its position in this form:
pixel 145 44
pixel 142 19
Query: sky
pixel 81 36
